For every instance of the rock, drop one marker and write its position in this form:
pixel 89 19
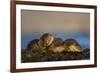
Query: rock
pixel 72 45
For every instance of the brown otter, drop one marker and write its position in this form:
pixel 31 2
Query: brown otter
pixel 57 49
pixel 46 40
pixel 57 42
pixel 72 45
pixel 33 44
pixel 69 45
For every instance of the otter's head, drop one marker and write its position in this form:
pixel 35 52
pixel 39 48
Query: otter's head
pixel 46 39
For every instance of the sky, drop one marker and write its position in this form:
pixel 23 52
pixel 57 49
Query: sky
pixel 47 21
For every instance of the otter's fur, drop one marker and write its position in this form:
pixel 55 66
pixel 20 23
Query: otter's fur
pixel 72 45
pixel 46 39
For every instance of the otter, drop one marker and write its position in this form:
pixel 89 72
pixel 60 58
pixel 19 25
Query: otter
pixel 57 42
pixel 69 45
pixel 33 44
pixel 72 45
pixel 46 40
pixel 56 45
pixel 58 49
